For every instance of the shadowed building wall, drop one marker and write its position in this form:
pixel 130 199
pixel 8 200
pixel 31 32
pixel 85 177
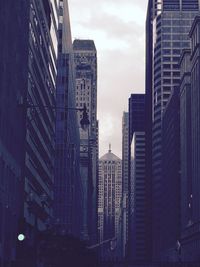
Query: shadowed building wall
pixel 170 184
pixel 67 187
pixel 28 56
pixel 191 169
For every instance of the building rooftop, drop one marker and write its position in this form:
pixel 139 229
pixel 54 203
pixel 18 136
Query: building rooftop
pixel 109 156
pixel 84 45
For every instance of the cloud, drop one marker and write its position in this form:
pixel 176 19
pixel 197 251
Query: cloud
pixel 118 29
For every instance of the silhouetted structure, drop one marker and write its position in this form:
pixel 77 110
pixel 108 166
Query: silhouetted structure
pixel 137 239
pixel 68 194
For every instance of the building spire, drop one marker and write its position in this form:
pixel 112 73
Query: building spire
pixel 109 148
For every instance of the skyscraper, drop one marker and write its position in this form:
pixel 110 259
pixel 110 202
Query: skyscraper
pixel 67 182
pixel 85 58
pixel 137 238
pixel 171 23
pixel 109 196
pixel 125 149
pixel 28 56
pixel 148 125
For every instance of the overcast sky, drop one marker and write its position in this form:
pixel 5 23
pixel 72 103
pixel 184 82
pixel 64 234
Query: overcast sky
pixel 118 29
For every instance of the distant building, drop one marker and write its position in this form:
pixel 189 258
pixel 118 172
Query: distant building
pixel 125 147
pixel 137 242
pixel 28 55
pixel 109 196
pixel 170 184
pixel 85 58
pixel 67 182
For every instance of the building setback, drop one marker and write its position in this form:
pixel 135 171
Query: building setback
pixel 85 58
pixel 171 22
pixel 28 56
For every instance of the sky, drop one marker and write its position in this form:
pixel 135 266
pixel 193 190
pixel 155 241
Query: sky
pixel 118 30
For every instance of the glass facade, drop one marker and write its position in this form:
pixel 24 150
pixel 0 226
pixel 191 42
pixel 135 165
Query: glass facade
pixel 40 142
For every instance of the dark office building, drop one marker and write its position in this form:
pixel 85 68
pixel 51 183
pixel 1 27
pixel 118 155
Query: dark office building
pixel 171 22
pixel 67 183
pixel 137 238
pixel 190 147
pixel 28 53
pixel 136 114
pixel 185 141
pixel 170 185
pixel 148 126
pixel 137 199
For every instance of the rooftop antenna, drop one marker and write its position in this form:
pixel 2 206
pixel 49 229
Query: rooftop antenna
pixel 109 148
